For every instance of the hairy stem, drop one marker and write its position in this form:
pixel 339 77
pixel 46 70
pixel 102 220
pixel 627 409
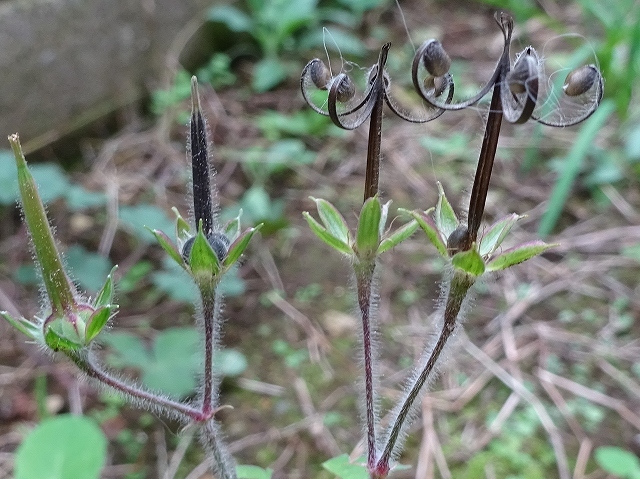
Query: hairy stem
pixel 224 464
pixel 92 369
pixel 460 285
pixel 364 280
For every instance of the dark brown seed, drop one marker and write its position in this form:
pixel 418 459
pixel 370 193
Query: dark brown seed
pixel 320 74
pixel 346 90
pixel 435 59
pixel 580 80
pixel 458 240
pixel 438 84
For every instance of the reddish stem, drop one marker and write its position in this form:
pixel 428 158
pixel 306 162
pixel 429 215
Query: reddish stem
pixel 364 278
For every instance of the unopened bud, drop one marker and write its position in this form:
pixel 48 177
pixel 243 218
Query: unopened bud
pixel 435 59
pixel 580 80
pixel 320 74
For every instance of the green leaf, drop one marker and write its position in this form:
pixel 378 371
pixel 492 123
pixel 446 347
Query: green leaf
pixel 63 447
pixel 233 18
pixel 268 73
pixel 324 235
pixel 253 472
pixel 174 362
pixel 168 246
pixel 78 198
pixel 428 225
pixel 105 295
pixel 97 322
pixel 446 219
pixel 617 461
pixel 518 255
pixel 368 234
pixel 176 282
pixel 126 349
pixel 338 40
pixel 333 220
pixel 496 233
pixel 398 236
pixel 203 261
pixel 8 181
pixel 88 267
pixel 469 261
pixel 342 467
pixel 230 362
pixel 239 245
pixel 134 218
pixel 31 330
pixel 52 181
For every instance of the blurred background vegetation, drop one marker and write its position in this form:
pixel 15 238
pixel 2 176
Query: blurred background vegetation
pixel 565 325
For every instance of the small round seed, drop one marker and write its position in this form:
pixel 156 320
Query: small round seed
pixel 346 90
pixel 320 74
pixel 580 80
pixel 435 59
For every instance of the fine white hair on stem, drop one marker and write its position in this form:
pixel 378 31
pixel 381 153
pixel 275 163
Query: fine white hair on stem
pixel 211 438
pixel 147 405
pixel 374 344
pixel 442 359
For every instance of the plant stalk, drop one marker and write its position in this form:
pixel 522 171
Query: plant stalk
pixel 460 285
pixel 364 280
pixel 95 371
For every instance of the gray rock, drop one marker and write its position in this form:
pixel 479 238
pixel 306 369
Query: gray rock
pixel 64 63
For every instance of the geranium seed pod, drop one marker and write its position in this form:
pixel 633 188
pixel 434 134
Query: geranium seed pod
pixel 435 59
pixel 518 77
pixel 346 90
pixel 580 80
pixel 219 244
pixel 438 84
pixel 458 240
pixel 320 74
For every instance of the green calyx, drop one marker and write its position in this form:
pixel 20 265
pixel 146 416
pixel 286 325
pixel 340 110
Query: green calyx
pixel 370 239
pixel 448 235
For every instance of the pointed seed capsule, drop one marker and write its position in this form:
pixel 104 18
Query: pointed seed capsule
pixel 320 74
pixel 580 80
pixel 435 59
pixel 346 90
